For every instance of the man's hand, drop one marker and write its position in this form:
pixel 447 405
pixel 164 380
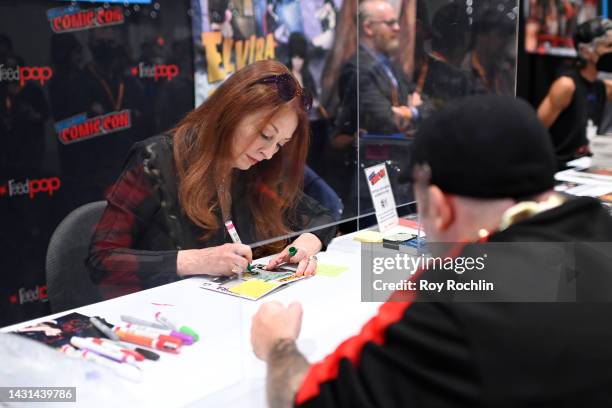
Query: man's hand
pixel 274 322
pixel 403 112
pixel 414 99
pixel 273 333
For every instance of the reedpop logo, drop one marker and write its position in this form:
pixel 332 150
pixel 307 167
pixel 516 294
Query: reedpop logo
pixel 24 295
pixel 156 72
pixel 31 187
pixel 23 74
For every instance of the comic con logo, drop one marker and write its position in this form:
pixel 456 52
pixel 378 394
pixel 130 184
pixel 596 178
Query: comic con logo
pixel 73 18
pixel 24 295
pixel 24 74
pixel 80 127
pixel 30 187
pixel 376 176
pixel 156 72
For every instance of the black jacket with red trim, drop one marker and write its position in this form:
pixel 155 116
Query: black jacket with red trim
pixel 483 354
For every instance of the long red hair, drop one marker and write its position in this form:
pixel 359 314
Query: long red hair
pixel 203 154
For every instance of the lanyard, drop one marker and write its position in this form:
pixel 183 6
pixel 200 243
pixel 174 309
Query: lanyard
pixel 483 75
pixel 389 74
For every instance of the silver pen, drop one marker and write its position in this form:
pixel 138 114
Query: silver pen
pixel 104 329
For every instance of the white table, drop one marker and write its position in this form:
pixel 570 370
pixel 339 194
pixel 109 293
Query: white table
pixel 220 369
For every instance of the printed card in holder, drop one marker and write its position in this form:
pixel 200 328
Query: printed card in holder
pixel 382 197
pixel 254 284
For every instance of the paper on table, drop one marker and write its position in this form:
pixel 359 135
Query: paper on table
pixel 254 288
pixel 329 270
pixel 368 236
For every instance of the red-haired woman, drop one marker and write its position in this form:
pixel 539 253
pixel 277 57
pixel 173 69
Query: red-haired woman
pixel 239 156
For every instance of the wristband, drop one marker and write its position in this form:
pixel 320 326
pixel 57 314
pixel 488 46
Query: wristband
pixel 415 113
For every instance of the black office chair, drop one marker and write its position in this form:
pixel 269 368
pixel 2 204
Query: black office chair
pixel 68 282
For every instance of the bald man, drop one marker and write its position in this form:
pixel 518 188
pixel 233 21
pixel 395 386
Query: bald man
pixel 387 103
pixel 484 176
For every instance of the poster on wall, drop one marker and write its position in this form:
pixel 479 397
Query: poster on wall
pixel 80 83
pixel 550 24
pixel 231 34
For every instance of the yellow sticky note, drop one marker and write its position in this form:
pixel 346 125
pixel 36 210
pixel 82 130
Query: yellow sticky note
pixel 330 270
pixel 253 288
pixel 368 236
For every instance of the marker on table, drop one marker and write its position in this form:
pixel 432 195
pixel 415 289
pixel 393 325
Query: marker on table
pixel 164 343
pixel 152 331
pixel 148 354
pixel 119 347
pixel 97 347
pixel 176 327
pixel 127 371
pixel 229 225
pixel 104 329
pixel 108 332
pixel 142 322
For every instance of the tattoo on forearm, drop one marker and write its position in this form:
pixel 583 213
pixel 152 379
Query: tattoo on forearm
pixel 286 370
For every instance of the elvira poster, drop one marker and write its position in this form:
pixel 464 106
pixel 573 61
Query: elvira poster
pixel 229 34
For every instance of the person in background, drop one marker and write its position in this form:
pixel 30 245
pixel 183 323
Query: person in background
pixel 6 47
pixel 298 64
pixel 387 103
pixel 483 172
pixel 24 112
pixel 440 77
pixel 578 96
pixel 237 157
pixel 491 63
pixel 66 92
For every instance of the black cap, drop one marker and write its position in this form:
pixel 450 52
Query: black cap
pixel 486 147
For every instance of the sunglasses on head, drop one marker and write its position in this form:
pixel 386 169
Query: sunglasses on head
pixel 288 88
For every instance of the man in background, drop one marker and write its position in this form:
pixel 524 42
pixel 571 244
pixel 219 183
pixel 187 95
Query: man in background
pixel 387 104
pixel 376 99
pixel 578 96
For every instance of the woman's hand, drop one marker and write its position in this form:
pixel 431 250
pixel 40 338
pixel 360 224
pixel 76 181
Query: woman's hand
pixel 306 246
pixel 226 259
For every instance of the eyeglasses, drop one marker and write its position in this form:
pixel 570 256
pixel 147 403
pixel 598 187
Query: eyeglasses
pixel 391 23
pixel 288 88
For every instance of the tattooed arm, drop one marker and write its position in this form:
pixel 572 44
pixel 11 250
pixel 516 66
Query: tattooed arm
pixel 273 333
pixel 286 370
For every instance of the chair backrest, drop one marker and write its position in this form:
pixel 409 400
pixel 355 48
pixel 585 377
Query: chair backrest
pixel 68 282
pixel 318 189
